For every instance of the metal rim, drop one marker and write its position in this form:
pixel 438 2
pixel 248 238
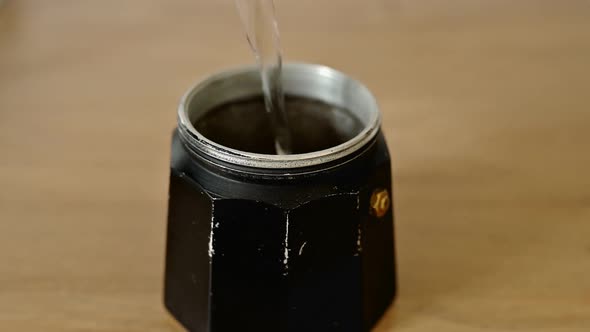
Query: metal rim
pixel 338 87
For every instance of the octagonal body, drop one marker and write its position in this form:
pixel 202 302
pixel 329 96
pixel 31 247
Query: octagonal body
pixel 293 254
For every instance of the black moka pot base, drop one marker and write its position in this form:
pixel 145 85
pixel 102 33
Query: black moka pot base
pixel 287 250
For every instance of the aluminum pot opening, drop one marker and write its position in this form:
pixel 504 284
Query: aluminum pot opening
pixel 331 116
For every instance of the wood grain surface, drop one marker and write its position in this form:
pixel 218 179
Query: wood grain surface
pixel 486 111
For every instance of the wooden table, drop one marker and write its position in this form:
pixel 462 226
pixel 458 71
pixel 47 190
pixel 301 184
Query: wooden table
pixel 486 110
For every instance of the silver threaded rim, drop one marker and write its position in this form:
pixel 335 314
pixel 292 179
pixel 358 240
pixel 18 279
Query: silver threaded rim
pixel 303 80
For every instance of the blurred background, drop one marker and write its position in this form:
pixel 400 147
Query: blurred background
pixel 485 107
